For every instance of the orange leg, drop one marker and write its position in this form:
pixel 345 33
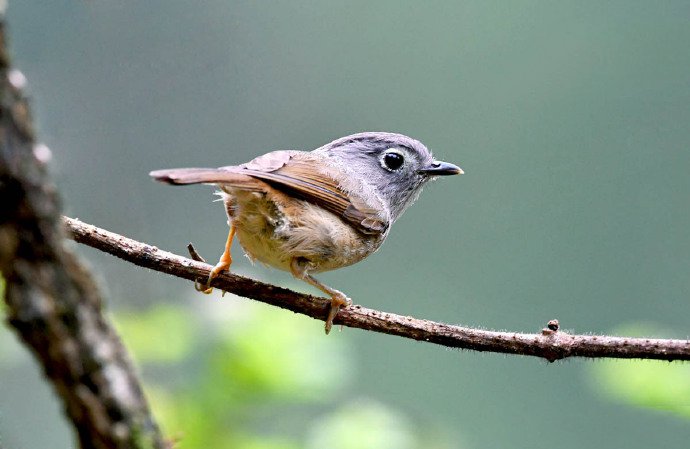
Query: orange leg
pixel 298 267
pixel 222 265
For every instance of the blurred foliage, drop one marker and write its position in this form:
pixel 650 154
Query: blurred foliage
pixel 645 383
pixel 254 377
pixel 147 330
pixel 377 426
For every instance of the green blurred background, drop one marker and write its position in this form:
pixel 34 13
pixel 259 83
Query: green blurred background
pixel 571 120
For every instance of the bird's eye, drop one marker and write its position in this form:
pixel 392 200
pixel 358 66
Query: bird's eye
pixel 392 160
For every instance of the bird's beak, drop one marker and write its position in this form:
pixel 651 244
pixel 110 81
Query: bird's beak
pixel 440 168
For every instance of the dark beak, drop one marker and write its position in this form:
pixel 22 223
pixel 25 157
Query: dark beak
pixel 440 168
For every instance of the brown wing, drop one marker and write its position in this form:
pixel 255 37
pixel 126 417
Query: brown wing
pixel 293 172
pixel 299 175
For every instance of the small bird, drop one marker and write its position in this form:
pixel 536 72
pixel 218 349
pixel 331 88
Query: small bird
pixel 313 211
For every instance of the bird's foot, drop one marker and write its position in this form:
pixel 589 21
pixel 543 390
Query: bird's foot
pixel 338 300
pixel 222 265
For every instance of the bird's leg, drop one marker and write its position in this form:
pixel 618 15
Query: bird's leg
pixel 299 268
pixel 223 263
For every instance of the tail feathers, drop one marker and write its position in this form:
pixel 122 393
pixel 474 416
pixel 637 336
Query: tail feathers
pixel 181 176
pixel 225 176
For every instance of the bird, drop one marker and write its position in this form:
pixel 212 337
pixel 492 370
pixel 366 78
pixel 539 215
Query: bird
pixel 308 212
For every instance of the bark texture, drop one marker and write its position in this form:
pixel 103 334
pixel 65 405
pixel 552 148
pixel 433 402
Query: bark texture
pixel 51 299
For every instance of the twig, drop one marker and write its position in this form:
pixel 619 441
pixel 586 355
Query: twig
pixel 194 254
pixel 551 343
pixel 52 302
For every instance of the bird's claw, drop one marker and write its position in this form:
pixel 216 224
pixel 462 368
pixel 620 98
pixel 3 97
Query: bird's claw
pixel 338 300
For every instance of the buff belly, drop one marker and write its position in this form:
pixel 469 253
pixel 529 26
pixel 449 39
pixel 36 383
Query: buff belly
pixel 274 228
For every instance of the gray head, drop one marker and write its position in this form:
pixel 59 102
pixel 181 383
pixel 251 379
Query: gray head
pixel 396 166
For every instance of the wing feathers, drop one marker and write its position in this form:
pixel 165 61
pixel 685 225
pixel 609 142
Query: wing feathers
pixel 290 171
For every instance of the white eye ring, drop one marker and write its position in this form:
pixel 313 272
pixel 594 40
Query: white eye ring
pixel 392 159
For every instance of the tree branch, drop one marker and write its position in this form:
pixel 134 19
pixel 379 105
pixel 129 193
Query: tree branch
pixel 551 344
pixel 52 302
